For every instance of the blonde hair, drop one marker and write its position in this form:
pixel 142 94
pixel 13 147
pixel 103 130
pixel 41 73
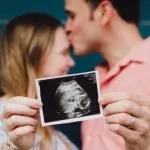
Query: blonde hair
pixel 24 41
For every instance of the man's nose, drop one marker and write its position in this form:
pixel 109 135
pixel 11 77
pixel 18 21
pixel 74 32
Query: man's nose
pixel 68 27
pixel 71 62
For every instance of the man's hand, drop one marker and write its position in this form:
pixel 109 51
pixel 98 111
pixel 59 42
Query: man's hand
pixel 129 116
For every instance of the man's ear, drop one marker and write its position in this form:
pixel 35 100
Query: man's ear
pixel 104 12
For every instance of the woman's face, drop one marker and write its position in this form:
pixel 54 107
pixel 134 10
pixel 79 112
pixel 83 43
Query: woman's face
pixel 57 60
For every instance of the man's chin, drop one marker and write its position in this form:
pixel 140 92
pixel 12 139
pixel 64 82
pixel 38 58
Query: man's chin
pixel 79 52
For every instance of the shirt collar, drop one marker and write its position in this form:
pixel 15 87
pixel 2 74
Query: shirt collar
pixel 138 55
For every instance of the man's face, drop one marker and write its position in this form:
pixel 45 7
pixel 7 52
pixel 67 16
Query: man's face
pixel 82 30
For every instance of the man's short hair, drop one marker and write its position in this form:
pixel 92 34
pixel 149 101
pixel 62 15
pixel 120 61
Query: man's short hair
pixel 129 10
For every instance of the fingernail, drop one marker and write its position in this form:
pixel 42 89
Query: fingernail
pixel 41 104
pixel 38 105
pixel 101 101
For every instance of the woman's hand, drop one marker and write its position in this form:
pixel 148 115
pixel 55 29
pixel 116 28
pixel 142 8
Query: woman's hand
pixel 21 117
pixel 129 116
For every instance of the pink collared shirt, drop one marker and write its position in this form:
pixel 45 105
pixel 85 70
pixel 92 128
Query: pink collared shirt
pixel 131 74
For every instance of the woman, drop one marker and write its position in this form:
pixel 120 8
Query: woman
pixel 32 45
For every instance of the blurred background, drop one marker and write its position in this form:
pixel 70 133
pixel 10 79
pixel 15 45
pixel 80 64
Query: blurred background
pixel 12 8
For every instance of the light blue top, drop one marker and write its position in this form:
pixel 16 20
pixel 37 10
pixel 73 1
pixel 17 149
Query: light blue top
pixel 3 135
pixel 57 139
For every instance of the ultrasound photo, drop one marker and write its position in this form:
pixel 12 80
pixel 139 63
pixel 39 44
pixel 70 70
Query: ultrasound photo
pixel 69 98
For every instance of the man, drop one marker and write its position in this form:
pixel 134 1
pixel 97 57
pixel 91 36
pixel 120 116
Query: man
pixel 110 28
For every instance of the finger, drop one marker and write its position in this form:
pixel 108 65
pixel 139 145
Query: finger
pixel 114 97
pixel 140 99
pixel 21 131
pixel 30 102
pixel 17 109
pixel 17 121
pixel 123 107
pixel 146 112
pixel 125 120
pixel 129 135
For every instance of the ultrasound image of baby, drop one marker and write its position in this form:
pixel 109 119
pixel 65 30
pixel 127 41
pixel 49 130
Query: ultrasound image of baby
pixel 72 101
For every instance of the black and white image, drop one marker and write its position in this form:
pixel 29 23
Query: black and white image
pixel 69 98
